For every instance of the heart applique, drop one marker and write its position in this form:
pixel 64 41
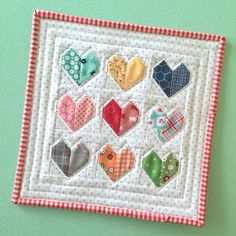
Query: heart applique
pixel 160 171
pixel 116 165
pixel 75 115
pixel 170 81
pixel 164 126
pixel 120 119
pixel 80 69
pixel 69 160
pixel 126 75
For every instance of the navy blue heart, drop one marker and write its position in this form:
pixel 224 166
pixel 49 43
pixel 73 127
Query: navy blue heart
pixel 170 81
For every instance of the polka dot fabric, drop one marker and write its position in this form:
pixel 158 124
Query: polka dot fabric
pixel 120 119
pixel 71 63
pixel 116 165
pixel 38 180
pixel 75 115
pixel 79 69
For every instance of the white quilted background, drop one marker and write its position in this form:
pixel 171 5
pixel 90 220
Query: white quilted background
pixel 42 178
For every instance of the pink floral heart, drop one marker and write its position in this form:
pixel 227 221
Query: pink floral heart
pixel 75 115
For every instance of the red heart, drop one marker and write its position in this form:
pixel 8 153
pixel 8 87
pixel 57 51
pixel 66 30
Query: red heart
pixel 120 119
pixel 75 115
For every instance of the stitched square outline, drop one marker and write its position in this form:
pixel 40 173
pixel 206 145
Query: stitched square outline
pixel 144 215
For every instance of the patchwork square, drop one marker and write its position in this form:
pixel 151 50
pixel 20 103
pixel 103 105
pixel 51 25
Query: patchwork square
pixel 164 126
pixel 170 81
pixel 115 164
pixel 93 135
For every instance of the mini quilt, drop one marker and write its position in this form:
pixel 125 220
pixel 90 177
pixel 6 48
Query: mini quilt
pixel 118 118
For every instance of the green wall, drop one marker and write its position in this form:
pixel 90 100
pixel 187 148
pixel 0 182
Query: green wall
pixel 208 16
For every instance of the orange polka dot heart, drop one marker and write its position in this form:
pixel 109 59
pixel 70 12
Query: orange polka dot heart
pixel 126 75
pixel 75 115
pixel 114 164
pixel 120 120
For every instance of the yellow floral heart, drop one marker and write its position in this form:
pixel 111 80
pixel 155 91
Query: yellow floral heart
pixel 126 75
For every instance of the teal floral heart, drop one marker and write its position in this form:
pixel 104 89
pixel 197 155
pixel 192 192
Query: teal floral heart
pixel 80 69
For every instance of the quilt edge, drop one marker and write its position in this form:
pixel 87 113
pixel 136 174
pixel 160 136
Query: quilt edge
pixel 37 16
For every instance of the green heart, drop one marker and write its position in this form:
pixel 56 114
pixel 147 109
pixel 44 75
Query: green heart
pixel 159 171
pixel 79 69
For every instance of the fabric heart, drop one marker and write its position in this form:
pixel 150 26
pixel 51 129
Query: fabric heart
pixel 75 115
pixel 79 69
pixel 160 171
pixel 170 81
pixel 69 160
pixel 164 126
pixel 126 75
pixel 120 119
pixel 114 164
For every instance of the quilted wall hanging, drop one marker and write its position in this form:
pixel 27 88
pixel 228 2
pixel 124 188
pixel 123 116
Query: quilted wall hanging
pixel 118 118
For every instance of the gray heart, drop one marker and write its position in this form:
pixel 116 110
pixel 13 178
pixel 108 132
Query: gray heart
pixel 69 160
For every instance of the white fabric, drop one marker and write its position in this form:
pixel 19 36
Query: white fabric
pixel 42 178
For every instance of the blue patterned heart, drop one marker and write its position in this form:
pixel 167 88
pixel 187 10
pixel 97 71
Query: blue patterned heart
pixel 170 81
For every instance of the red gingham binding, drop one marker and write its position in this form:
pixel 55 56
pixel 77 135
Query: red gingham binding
pixel 99 208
